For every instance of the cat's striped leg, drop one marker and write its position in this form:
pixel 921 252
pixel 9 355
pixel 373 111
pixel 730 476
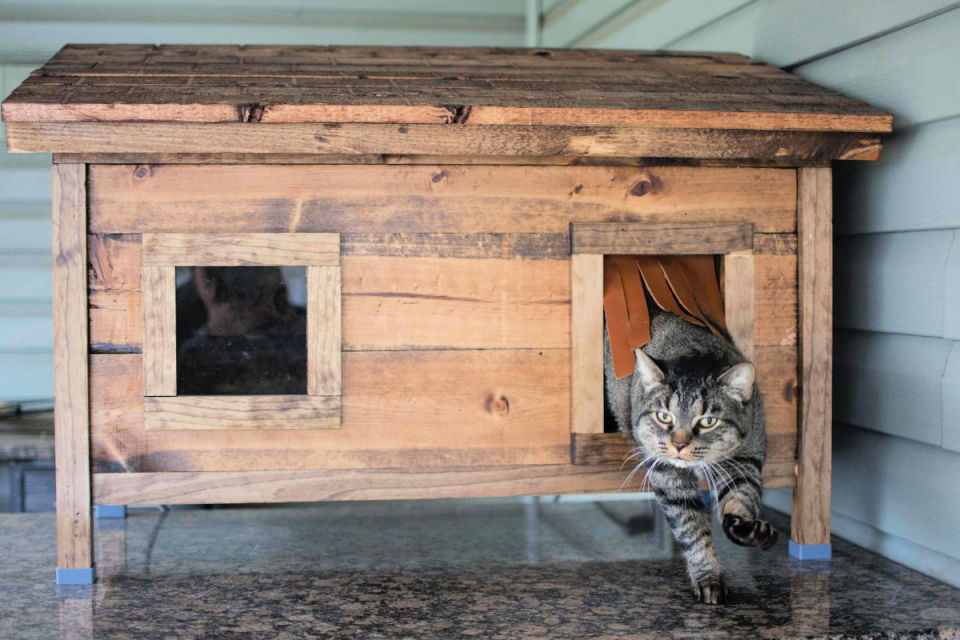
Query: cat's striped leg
pixel 739 487
pixel 679 497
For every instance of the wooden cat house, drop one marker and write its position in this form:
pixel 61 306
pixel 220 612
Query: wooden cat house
pixel 418 236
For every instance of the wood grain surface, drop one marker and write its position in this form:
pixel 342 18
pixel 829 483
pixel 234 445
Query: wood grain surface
pixel 70 348
pixel 586 342
pixel 481 87
pixel 810 521
pixel 502 140
pixel 226 487
pixel 634 238
pixel 399 409
pixel 159 331
pixel 428 199
pixel 240 249
pixel 324 332
pixel 193 413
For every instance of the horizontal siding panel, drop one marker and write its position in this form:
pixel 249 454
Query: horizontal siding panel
pixel 914 186
pixel 951 288
pixel 951 400
pixel 893 282
pixel 733 32
pixel 24 177
pixel 912 72
pixel 26 376
pixel 655 25
pixel 25 277
pixel 30 332
pixel 11 75
pixel 891 383
pixel 37 41
pixel 791 32
pixel 257 10
pixel 903 488
pixel 570 21
pixel 24 233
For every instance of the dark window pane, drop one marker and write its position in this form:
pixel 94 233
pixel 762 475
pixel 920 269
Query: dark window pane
pixel 241 331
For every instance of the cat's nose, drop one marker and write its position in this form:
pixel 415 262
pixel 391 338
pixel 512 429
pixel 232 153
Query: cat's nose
pixel 680 439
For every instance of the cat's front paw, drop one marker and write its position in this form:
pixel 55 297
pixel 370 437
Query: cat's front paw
pixel 711 591
pixel 749 533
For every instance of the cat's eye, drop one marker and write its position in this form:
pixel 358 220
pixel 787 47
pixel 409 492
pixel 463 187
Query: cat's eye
pixel 707 422
pixel 663 417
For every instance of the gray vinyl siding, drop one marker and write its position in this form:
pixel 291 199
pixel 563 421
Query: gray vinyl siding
pixel 897 355
pixel 31 32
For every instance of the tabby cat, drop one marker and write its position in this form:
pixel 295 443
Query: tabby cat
pixel 693 408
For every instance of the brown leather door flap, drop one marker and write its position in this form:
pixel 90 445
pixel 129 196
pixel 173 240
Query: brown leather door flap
pixel 686 286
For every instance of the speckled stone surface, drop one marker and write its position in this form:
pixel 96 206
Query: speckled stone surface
pixel 444 569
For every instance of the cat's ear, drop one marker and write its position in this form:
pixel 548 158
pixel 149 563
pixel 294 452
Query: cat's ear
pixel 738 381
pixel 647 371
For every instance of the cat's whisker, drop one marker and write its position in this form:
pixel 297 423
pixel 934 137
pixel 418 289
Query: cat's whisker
pixel 636 451
pixel 738 468
pixel 646 478
pixel 724 474
pixel 635 469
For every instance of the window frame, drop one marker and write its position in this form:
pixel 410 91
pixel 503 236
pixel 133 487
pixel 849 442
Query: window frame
pixel 317 409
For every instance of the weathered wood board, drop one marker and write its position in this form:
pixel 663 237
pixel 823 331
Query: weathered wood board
pixel 399 409
pixel 430 199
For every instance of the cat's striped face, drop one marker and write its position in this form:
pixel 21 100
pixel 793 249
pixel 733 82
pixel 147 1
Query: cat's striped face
pixel 687 412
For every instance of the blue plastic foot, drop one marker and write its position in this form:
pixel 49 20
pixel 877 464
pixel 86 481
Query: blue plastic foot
pixel 810 551
pixel 75 576
pixel 103 511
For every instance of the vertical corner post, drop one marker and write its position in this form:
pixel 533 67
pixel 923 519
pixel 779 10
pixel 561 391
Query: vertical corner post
pixel 71 386
pixel 810 523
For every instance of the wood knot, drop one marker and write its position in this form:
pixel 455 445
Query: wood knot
pixel 577 189
pixel 457 113
pixel 646 185
pixel 439 176
pixel 142 171
pixel 543 54
pixel 497 405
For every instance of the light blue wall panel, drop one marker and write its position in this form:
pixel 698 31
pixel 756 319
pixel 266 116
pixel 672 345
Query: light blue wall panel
pixel 25 327
pixel 24 177
pixel 894 282
pixel 903 488
pixel 733 32
pixel 788 33
pixel 25 228
pixel 951 400
pixel 569 22
pixel 913 186
pixel 912 72
pixel 890 383
pixel 26 376
pixel 951 288
pixel 25 277
pixel 657 25
pixel 40 40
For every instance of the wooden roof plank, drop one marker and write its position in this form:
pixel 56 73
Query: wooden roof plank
pixel 428 85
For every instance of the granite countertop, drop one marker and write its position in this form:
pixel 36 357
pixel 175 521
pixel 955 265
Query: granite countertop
pixel 444 569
